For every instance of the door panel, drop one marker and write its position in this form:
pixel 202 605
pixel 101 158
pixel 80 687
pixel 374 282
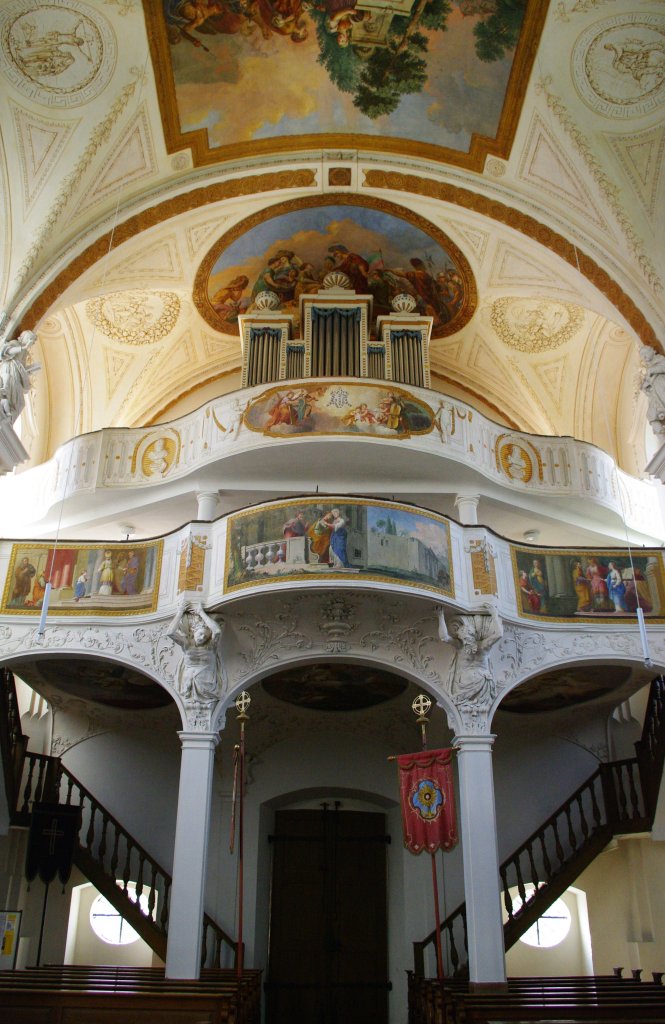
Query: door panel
pixel 328 929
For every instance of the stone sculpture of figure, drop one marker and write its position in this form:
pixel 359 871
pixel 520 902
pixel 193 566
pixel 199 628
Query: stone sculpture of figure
pixel 15 373
pixel 199 636
pixel 472 685
pixel 653 386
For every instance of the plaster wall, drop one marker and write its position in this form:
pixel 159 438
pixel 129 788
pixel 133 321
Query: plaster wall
pixel 572 956
pixel 626 901
pixel 85 947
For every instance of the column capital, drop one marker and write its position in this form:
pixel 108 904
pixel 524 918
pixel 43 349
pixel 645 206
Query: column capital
pixel 207 504
pixel 467 506
pixel 198 740
pixel 466 742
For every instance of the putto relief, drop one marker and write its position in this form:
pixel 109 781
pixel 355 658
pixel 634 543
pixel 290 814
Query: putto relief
pixel 60 53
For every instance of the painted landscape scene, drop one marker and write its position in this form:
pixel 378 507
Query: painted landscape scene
pixel 114 579
pixel 255 70
pixel 592 584
pixel 335 538
pixel 321 408
pixel 290 255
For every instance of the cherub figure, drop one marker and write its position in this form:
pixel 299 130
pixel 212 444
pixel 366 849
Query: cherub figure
pixel 199 637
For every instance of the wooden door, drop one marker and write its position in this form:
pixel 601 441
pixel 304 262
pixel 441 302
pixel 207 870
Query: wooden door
pixel 328 935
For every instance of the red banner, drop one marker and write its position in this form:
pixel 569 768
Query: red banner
pixel 428 800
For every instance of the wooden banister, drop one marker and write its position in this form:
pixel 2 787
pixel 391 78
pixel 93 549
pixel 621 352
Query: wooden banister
pixel 619 798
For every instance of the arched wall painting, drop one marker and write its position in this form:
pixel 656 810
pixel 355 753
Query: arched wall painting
pixel 425 77
pixel 291 251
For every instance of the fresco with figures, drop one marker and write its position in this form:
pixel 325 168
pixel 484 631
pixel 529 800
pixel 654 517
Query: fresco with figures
pixel 334 538
pixel 589 584
pixel 291 251
pixel 111 579
pixel 429 72
pixel 324 408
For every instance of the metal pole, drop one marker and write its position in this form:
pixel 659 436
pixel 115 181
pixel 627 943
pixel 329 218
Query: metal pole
pixel 41 929
pixel 423 723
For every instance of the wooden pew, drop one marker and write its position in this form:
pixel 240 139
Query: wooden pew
pixel 119 995
pixel 581 998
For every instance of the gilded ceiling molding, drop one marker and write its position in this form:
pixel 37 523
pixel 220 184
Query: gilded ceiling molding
pixel 611 191
pixel 174 207
pixel 70 183
pixel 396 181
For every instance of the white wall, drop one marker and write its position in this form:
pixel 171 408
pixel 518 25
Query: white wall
pixel 85 947
pixel 625 891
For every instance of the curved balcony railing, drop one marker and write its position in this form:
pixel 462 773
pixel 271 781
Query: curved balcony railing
pixel 429 424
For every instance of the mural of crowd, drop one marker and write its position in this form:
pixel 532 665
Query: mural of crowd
pixel 566 585
pixel 291 254
pixel 83 577
pixel 438 291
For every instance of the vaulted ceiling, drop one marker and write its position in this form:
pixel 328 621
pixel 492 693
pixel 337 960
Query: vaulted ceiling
pixel 135 138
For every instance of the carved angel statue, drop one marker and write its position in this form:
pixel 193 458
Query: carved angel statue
pixel 199 636
pixel 472 685
pixel 653 386
pixel 15 373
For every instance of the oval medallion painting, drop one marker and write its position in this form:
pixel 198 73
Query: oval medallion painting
pixel 382 251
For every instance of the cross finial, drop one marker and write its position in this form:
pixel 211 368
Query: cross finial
pixel 421 705
pixel 243 700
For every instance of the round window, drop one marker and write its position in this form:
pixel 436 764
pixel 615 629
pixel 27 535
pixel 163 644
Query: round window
pixel 551 928
pixel 108 924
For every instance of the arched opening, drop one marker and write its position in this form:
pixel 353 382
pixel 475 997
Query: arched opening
pixel 333 901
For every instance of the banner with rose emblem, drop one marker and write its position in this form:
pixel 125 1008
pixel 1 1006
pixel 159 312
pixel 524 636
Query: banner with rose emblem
pixel 428 800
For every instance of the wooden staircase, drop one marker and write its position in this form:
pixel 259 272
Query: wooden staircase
pixel 619 798
pixel 105 853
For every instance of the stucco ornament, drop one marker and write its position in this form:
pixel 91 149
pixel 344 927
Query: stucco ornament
pixel 199 680
pixel 471 683
pixel 15 373
pixel 653 386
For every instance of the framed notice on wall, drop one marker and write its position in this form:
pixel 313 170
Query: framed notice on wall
pixel 10 926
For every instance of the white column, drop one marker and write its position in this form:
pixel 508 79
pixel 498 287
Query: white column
pixel 207 505
pixel 467 508
pixel 482 887
pixel 183 952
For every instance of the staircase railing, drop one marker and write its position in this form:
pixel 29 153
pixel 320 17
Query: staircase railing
pixel 106 853
pixel 618 798
pixel 13 743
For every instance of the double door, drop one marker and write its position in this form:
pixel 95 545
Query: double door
pixel 328 934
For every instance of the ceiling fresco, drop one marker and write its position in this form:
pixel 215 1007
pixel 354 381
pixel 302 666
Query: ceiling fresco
pixel 115 686
pixel 334 687
pixel 552 691
pixel 433 77
pixel 290 248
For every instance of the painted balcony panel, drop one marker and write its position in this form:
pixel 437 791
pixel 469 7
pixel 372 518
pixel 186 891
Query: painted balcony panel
pixel 444 435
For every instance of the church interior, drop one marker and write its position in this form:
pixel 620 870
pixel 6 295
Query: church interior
pixel 332 429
